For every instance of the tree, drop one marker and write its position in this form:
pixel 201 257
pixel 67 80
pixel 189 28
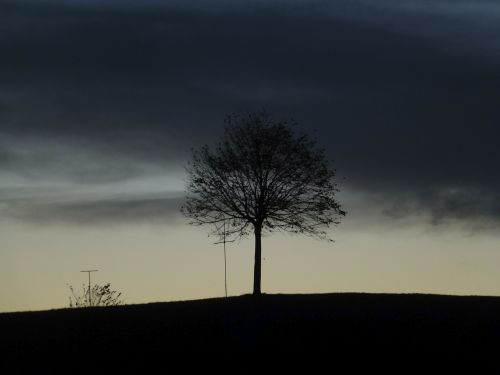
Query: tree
pixel 101 295
pixel 262 177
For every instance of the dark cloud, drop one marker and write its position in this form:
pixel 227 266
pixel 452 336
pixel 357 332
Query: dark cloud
pixel 476 209
pixel 95 212
pixel 40 159
pixel 404 95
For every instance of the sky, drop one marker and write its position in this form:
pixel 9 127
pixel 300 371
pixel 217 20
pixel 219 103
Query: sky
pixel 101 102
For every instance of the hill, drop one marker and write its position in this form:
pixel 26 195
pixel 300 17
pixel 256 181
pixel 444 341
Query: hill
pixel 415 328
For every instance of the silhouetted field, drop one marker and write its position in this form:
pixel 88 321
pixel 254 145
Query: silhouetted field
pixel 371 328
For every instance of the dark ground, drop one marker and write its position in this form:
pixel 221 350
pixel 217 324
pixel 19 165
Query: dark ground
pixel 359 330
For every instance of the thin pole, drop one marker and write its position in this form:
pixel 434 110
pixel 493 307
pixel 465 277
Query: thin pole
pixel 225 266
pixel 90 290
pixel 225 261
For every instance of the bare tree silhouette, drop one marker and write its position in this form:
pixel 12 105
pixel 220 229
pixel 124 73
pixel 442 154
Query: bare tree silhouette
pixel 262 176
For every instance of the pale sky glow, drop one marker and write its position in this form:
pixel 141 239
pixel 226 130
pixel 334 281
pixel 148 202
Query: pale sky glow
pixel 162 263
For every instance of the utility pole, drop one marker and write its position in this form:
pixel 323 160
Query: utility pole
pixel 90 290
pixel 224 245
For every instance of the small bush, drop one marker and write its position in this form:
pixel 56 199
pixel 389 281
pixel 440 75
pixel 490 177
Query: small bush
pixel 100 295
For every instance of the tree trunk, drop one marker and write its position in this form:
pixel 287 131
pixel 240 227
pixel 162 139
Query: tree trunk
pixel 258 260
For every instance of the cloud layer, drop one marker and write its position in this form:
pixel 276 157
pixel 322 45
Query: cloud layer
pixel 96 212
pixel 402 94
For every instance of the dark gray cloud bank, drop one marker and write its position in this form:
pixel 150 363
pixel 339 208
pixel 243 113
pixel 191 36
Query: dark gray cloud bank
pixel 97 211
pixel 403 94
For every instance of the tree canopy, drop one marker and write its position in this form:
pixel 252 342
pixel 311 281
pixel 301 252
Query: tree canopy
pixel 262 176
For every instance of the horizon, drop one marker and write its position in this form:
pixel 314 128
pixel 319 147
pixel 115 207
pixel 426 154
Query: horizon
pixel 101 104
